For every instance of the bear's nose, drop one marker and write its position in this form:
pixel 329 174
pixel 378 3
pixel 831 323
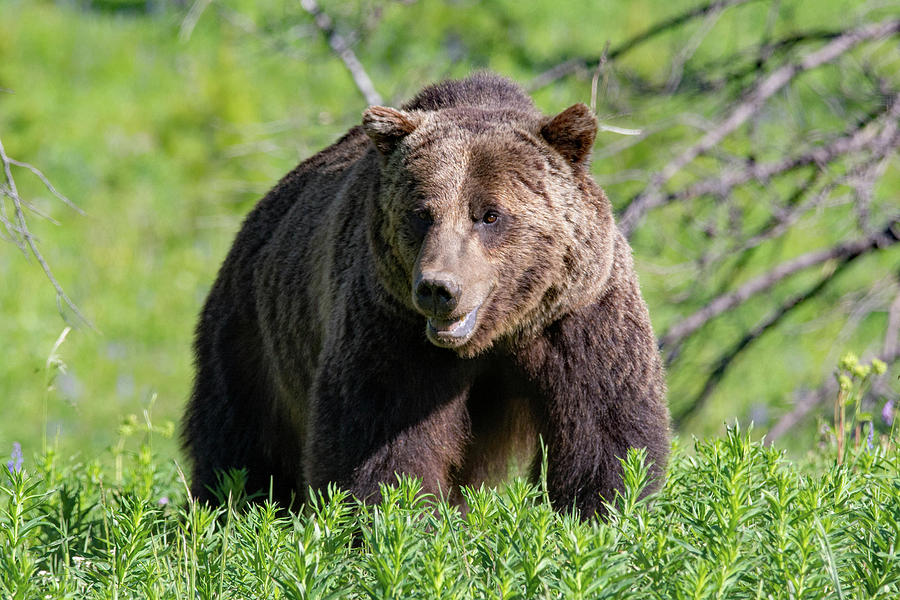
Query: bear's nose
pixel 437 294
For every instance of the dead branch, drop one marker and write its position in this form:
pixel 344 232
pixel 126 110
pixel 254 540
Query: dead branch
pixel 652 196
pixel 785 217
pixel 595 80
pixel 876 134
pixel 887 236
pixel 18 230
pixel 40 175
pixel 570 66
pixel 192 18
pixel 770 321
pixel 810 399
pixel 753 60
pixel 680 59
pixel 340 47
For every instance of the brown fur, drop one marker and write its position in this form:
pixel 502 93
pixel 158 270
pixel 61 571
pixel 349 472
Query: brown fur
pixel 426 296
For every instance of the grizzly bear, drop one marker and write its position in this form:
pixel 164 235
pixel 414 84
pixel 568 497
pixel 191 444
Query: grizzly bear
pixel 430 295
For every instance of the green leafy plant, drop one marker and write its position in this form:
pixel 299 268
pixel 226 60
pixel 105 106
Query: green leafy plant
pixel 854 380
pixel 735 519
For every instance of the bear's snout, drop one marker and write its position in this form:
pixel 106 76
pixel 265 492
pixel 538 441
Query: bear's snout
pixel 437 294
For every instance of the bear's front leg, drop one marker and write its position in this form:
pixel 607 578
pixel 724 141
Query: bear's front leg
pixel 602 391
pixel 375 416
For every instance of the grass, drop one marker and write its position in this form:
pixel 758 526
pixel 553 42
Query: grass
pixel 734 520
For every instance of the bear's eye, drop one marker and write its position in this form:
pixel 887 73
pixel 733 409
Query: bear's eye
pixel 420 220
pixel 423 215
pixel 490 217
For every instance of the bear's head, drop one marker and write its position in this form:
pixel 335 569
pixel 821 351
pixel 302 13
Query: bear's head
pixel 486 221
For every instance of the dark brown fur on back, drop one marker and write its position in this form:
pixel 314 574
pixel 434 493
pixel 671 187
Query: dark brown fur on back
pixel 427 296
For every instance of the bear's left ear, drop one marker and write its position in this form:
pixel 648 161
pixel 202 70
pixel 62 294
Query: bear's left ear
pixel 572 133
pixel 387 126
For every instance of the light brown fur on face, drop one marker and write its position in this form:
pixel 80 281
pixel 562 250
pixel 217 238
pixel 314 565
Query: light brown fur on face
pixel 494 160
pixel 429 295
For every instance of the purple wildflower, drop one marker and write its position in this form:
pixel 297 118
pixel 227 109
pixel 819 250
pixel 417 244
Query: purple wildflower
pixel 15 463
pixel 871 435
pixel 887 412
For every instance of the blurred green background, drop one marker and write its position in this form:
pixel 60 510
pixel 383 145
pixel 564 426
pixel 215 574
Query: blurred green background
pixel 166 121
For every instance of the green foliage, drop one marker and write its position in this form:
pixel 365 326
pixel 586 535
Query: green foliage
pixel 854 380
pixel 734 520
pixel 166 135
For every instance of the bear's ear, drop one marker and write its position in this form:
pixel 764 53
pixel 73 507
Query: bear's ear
pixel 572 133
pixel 387 126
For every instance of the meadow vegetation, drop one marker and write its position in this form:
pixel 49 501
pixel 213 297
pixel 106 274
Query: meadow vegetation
pixel 734 520
pixel 166 121
pixel 166 124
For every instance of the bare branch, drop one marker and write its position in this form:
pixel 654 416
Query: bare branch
pixel 756 57
pixel 663 26
pixel 191 19
pixel 806 402
pixel 678 62
pixel 37 172
pixel 859 175
pixel 570 66
pixel 651 196
pixel 340 47
pixel 685 119
pixel 19 231
pixel 775 317
pixel 9 190
pixel 880 140
pixel 596 78
pixel 889 235
pixel 556 72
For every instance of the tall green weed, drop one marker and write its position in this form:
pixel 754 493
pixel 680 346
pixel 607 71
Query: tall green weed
pixel 735 519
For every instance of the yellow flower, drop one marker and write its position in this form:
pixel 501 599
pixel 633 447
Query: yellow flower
pixel 848 361
pixel 861 371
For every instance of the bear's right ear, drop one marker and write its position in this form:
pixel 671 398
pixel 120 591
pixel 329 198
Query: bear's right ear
pixel 387 126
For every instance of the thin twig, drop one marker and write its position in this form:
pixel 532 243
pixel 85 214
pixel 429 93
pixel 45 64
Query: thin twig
pixel 680 59
pixel 191 19
pixel 20 233
pixel 775 317
pixel 786 219
pixel 758 58
pixel 340 47
pixel 652 195
pixel 574 64
pixel 888 236
pixel 595 80
pixel 37 172
pixel 861 174
pixel 863 137
pixel 691 120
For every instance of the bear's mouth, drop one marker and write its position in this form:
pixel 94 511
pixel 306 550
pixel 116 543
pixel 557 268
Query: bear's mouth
pixel 449 333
